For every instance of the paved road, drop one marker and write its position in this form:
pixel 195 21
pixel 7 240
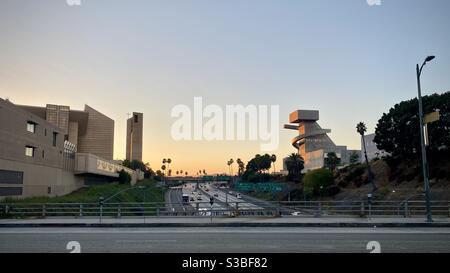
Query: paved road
pixel 224 196
pixel 216 240
pixel 203 203
pixel 174 201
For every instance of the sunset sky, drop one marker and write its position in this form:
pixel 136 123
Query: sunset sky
pixel 349 60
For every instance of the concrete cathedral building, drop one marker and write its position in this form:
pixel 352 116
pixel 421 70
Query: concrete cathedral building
pixel 371 148
pixel 134 137
pixel 54 150
pixel 313 142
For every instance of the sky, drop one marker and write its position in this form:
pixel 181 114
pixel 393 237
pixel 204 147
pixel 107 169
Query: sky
pixel 347 59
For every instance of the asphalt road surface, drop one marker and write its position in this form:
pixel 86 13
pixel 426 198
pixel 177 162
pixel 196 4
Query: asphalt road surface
pixel 234 240
pixel 174 201
pixel 202 200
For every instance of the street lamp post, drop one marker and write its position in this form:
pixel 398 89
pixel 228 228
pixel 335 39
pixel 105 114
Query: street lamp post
pixel 422 141
pixel 102 200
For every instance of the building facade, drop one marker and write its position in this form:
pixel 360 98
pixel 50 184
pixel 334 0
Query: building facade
pixel 313 142
pixel 89 130
pixel 371 148
pixel 134 137
pixel 52 150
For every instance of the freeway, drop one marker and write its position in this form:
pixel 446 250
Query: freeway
pixel 174 201
pixel 202 199
pixel 228 198
pixel 221 240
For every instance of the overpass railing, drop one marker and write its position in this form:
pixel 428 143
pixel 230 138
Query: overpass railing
pixel 231 209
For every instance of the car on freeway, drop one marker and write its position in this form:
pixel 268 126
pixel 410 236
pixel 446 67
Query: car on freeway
pixel 216 194
pixel 199 193
pixel 238 196
pixel 296 213
pixel 204 212
pixel 192 199
pixel 199 198
pixel 185 198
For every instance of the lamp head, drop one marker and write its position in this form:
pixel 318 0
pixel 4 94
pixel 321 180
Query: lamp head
pixel 429 59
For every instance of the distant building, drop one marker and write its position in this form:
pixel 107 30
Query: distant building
pixel 371 148
pixel 285 170
pixel 89 130
pixel 312 142
pixel 52 150
pixel 285 160
pixel 134 137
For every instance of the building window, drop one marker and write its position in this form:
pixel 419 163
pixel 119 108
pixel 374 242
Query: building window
pixel 31 127
pixel 43 154
pixel 55 135
pixel 49 190
pixel 135 119
pixel 29 151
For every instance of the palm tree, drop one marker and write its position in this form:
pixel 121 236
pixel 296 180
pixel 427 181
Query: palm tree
pixel 231 163
pixel 168 162
pixel 163 167
pixel 362 129
pixel 241 166
pixel 295 165
pixel 178 173
pixel 273 158
pixel 164 161
pixel 186 173
pixel 230 166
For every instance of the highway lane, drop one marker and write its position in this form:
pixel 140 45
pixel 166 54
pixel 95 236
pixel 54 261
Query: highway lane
pixel 203 203
pixel 174 201
pixel 220 201
pixel 225 197
pixel 220 240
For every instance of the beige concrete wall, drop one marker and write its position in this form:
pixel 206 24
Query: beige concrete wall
pixel 37 179
pixel 89 163
pixel 14 137
pixel 314 160
pixel 92 164
pixel 99 136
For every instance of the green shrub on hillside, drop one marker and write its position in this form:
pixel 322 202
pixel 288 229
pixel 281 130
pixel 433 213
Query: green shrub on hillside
pixel 91 194
pixel 354 172
pixel 124 177
pixel 316 182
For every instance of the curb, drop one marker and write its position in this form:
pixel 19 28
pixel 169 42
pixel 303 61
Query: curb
pixel 191 225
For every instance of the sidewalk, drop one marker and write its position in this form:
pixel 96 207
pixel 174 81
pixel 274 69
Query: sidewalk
pixel 225 222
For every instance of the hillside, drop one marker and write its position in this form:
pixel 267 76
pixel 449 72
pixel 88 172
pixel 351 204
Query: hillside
pixel 91 194
pixel 398 182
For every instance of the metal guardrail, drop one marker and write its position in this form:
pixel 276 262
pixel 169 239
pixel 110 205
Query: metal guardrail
pixel 160 209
